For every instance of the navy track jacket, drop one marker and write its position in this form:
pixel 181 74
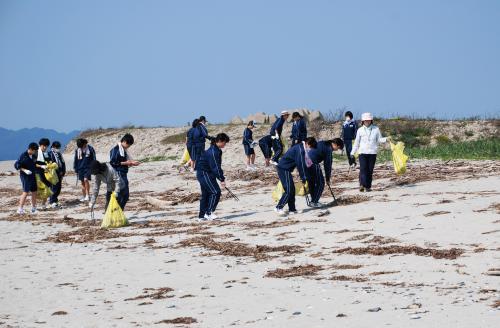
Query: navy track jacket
pixel 323 153
pixel 294 158
pixel 211 162
pixel 277 126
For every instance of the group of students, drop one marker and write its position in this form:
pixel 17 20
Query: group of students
pixel 32 165
pixel 306 154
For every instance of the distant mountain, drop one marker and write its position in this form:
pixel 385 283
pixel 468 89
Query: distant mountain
pixel 13 143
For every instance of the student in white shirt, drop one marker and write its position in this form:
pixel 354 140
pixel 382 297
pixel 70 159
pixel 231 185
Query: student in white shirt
pixel 368 137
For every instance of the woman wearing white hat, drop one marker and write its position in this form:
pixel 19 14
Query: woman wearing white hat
pixel 367 140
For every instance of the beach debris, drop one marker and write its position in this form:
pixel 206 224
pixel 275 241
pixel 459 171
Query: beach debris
pixel 371 218
pixel 346 266
pixel 229 248
pixel 351 199
pixel 296 271
pixel 178 321
pixel 153 293
pixel 449 254
pixel 323 213
pixel 60 313
pixel 493 272
pixel 359 237
pixel 434 213
pixel 341 315
pixel 375 309
pixel 348 278
pixel 378 273
pixel 380 240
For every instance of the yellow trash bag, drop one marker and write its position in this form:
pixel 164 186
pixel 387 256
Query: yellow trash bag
pixel 300 190
pixel 51 174
pixel 43 192
pixel 398 157
pixel 114 217
pixel 185 157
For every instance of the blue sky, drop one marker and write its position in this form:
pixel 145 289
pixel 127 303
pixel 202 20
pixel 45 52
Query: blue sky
pixel 78 64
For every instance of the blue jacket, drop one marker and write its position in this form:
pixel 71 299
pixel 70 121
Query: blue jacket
pixel 59 160
pixel 294 158
pixel 277 126
pixel 266 140
pixel 200 134
pixel 323 153
pixel 349 130
pixel 299 130
pixel 190 136
pixel 211 162
pixel 247 137
pixel 115 159
pixel 27 162
pixel 84 163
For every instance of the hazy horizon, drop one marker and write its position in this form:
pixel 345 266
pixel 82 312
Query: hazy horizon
pixel 74 65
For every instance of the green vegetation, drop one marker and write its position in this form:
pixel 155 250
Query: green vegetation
pixel 414 133
pixel 442 139
pixel 472 150
pixel 157 159
pixel 174 138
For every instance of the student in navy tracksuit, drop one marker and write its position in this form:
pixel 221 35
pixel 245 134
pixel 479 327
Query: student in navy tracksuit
pixel 295 157
pixel 209 170
pixel 266 144
pixel 84 155
pixel 27 168
pixel 299 129
pixel 315 178
pixel 190 143
pixel 57 157
pixel 199 137
pixel 120 160
pixel 275 133
pixel 349 130
pixel 248 145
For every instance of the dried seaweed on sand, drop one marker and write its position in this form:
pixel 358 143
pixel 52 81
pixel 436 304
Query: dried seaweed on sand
pixel 296 271
pixel 229 248
pixel 153 293
pixel 449 254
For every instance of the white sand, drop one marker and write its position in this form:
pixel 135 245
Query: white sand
pixel 90 281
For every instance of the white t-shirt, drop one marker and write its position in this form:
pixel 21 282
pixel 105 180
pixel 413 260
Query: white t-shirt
pixel 367 140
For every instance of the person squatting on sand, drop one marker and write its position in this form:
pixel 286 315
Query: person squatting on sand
pixel 104 172
pixel 315 179
pixel 248 145
pixel 368 138
pixel 57 157
pixel 209 170
pixel 295 157
pixel 299 129
pixel 120 160
pixel 265 145
pixel 275 133
pixel 26 167
pixel 349 129
pixel 84 155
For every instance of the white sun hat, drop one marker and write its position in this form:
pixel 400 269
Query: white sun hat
pixel 285 112
pixel 366 117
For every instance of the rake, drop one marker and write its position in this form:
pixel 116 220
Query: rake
pixel 232 195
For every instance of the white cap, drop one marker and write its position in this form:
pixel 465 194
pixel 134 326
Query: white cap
pixel 366 117
pixel 285 112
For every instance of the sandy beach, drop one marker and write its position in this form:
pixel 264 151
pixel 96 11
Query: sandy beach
pixel 421 250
